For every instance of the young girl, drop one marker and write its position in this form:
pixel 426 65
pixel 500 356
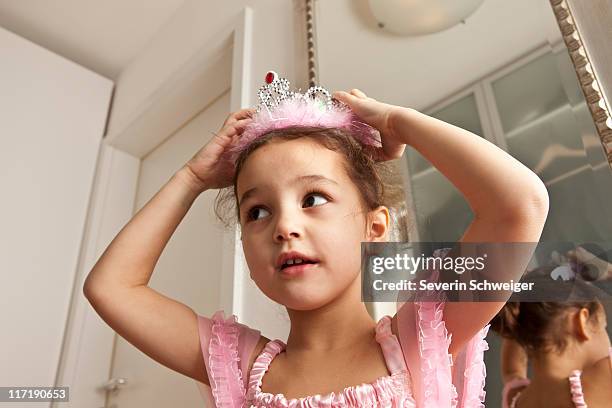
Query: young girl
pixel 304 173
pixel 568 347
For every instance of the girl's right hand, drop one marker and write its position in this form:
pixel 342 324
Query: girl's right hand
pixel 207 167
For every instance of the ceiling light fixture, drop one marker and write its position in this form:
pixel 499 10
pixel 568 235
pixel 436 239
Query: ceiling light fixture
pixel 418 17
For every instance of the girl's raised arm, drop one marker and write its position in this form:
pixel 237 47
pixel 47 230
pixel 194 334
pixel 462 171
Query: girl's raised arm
pixel 117 286
pixel 509 201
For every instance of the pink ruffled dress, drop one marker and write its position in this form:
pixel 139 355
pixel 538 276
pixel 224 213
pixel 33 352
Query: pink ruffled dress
pixel 419 363
pixel 575 384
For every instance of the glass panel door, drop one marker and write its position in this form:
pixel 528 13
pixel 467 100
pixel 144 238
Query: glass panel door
pixel 547 126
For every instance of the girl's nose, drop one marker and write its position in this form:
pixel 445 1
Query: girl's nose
pixel 287 227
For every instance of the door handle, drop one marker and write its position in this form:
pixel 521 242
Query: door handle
pixel 114 384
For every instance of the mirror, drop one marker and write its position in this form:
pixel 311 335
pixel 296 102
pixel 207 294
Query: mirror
pixel 504 73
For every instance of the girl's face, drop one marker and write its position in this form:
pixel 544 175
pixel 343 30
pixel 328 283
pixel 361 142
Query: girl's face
pixel 294 195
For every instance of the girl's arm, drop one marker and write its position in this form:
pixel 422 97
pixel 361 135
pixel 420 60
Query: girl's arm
pixel 162 328
pixel 509 201
pixel 116 287
pixel 140 243
pixel 513 361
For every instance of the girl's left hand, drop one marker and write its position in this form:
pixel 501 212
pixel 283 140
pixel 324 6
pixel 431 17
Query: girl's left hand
pixel 584 257
pixel 378 115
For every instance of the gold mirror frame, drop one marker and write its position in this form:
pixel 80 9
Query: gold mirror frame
pixel 593 93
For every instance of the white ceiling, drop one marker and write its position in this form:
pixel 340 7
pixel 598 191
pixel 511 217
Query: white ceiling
pixel 100 35
pixel 353 52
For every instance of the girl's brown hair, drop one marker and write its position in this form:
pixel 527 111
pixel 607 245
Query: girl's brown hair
pixel 539 326
pixel 379 183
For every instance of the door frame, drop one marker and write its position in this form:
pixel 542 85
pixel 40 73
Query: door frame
pixel 87 348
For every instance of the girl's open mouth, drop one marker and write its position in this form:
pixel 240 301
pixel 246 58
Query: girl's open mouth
pixel 297 269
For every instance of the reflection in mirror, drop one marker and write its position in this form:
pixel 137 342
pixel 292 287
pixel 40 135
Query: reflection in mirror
pixel 504 74
pixel 547 126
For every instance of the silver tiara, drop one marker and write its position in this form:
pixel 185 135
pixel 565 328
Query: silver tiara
pixel 276 90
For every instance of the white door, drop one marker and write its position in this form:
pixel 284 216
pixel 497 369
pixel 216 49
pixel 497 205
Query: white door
pixel 188 269
pixel 52 117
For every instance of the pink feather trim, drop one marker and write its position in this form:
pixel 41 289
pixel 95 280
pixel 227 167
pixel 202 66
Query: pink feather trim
pixel 304 113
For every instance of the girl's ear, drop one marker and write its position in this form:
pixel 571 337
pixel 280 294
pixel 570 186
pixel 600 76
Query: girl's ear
pixel 581 323
pixel 378 224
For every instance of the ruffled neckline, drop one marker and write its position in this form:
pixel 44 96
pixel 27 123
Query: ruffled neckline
pixel 382 391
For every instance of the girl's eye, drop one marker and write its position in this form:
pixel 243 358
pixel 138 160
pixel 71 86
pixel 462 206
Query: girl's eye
pixel 252 214
pixel 311 198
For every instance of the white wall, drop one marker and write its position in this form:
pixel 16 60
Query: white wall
pixel 52 117
pixel 278 42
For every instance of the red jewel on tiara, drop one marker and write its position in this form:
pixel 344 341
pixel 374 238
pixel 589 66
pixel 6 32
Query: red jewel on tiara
pixel 270 77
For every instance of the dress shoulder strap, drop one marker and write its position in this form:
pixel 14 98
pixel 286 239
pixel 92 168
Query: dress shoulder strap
pixel 390 345
pixel 425 345
pixel 576 389
pixel 514 399
pixel 576 385
pixel 509 386
pixel 261 365
pixel 224 362
pixel 226 348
